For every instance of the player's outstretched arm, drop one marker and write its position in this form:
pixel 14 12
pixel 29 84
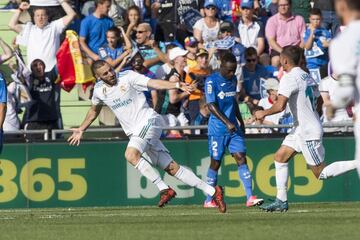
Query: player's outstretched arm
pixel 92 114
pixel 166 85
pixel 277 107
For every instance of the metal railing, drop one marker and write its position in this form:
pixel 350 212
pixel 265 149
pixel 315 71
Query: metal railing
pixel 54 133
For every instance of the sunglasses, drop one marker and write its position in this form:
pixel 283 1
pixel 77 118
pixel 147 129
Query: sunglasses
pixel 225 30
pixel 211 8
pixel 251 59
pixel 244 8
pixel 140 31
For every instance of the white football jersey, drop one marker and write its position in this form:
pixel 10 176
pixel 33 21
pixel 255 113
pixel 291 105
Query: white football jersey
pixel 127 100
pixel 293 86
pixel 345 54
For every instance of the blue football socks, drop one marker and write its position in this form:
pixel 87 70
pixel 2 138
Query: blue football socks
pixel 246 179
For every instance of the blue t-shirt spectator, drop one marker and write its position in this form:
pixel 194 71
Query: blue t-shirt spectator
pixel 3 89
pixel 318 55
pixel 106 52
pixel 94 30
pixel 251 80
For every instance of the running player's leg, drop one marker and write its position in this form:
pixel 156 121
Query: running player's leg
pixel 237 149
pixel 216 146
pixel 314 155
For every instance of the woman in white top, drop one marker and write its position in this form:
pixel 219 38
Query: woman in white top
pixel 207 28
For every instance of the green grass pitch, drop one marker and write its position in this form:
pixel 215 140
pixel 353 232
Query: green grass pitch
pixel 303 221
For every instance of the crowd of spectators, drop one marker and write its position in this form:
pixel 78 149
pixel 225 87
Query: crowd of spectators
pixel 181 40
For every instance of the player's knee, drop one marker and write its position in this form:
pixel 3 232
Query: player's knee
pixel 240 158
pixel 172 168
pixel 215 165
pixel 280 157
pixel 132 156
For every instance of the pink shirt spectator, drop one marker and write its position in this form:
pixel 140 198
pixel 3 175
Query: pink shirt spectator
pixel 285 32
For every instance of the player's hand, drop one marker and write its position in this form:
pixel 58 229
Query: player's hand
pixel 231 127
pixel 24 6
pixel 187 88
pixel 259 115
pixel 74 139
pixel 330 112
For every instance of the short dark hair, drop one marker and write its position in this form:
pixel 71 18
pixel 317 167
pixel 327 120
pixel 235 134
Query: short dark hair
pixel 96 65
pixel 228 57
pixel 315 11
pixel 250 51
pixel 115 30
pixel 294 54
pixel 101 2
pixel 353 4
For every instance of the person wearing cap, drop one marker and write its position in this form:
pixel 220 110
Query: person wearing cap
pixel 251 32
pixel 226 129
pixel 284 29
pixel 271 86
pixel 207 28
pixel 191 45
pixel 197 74
pixel 170 102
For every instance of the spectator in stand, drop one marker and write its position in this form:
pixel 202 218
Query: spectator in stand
pixel 114 51
pixel 273 7
pixel 42 112
pixel 42 39
pixel 203 116
pixel 152 52
pixel 93 29
pixel 328 87
pixel 170 102
pixel 53 8
pixel 191 45
pixel 197 74
pixel 284 29
pixel 317 41
pixel 133 19
pixel 137 65
pixel 165 69
pixel 206 29
pixel 253 72
pixel 330 20
pixel 271 86
pixel 170 17
pixel 251 32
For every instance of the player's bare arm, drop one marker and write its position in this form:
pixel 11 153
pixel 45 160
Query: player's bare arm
pixel 166 85
pixel 214 109
pixel 92 114
pixel 277 107
pixel 239 117
pixel 174 95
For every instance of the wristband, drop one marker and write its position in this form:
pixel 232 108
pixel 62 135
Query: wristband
pixel 177 85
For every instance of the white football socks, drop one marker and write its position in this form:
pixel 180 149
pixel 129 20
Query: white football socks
pixel 188 177
pixel 148 171
pixel 337 168
pixel 282 176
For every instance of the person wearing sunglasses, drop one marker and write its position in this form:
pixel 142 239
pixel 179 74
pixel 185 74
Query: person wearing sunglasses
pixel 207 28
pixel 252 73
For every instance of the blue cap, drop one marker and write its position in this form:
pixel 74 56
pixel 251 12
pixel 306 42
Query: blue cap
pixel 247 4
pixel 210 3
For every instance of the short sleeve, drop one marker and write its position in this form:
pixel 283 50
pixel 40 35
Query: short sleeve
pixel 343 60
pixel 3 90
pixel 84 27
pixel 23 38
pixel 199 24
pixel 95 100
pixel 287 86
pixel 59 25
pixel 270 29
pixel 138 81
pixel 324 85
pixel 210 91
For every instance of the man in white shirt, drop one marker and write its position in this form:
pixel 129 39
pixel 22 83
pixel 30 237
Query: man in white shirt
pixel 42 39
pixel 345 60
pixel 306 136
pixel 124 95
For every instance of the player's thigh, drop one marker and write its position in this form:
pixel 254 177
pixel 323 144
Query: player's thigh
pixel 288 148
pixel 158 154
pixel 237 148
pixel 135 148
pixel 217 146
pixel 313 152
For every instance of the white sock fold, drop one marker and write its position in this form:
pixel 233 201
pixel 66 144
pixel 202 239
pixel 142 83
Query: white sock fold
pixel 337 168
pixel 148 171
pixel 188 177
pixel 282 176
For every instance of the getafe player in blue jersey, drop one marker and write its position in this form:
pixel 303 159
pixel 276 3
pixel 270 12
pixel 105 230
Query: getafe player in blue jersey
pixel 224 130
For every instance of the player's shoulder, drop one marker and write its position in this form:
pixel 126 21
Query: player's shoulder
pixel 126 73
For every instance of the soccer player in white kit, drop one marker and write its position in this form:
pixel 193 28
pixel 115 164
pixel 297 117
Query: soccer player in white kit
pixel 306 136
pixel 345 61
pixel 124 95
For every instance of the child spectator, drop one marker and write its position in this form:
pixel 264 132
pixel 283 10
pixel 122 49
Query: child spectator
pixel 113 52
pixel 133 19
pixel 316 40
pixel 192 46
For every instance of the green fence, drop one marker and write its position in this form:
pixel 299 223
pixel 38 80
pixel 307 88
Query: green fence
pixel 96 174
